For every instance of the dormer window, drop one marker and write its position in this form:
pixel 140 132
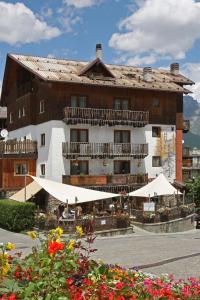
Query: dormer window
pixel 97 70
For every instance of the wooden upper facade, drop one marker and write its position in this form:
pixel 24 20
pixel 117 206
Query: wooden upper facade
pixel 36 90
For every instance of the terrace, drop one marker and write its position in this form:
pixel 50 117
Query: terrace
pixel 104 150
pixel 101 117
pixel 18 148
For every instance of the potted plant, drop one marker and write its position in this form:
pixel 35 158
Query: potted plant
pixel 123 221
pixel 184 210
pixel 148 217
pixel 164 213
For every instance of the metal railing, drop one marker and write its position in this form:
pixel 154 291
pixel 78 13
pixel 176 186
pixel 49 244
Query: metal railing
pixel 111 117
pixel 104 150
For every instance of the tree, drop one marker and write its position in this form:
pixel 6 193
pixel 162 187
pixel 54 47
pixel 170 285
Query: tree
pixel 193 190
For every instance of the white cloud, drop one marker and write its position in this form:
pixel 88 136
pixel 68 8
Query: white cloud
pixel 81 3
pixel 192 71
pixel 161 28
pixel 18 24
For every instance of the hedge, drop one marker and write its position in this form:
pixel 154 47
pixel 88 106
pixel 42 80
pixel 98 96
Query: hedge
pixel 16 216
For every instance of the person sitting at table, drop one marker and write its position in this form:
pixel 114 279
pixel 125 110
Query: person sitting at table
pixel 79 212
pixel 68 213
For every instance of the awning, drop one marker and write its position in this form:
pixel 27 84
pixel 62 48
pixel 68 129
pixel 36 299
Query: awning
pixel 158 187
pixel 69 193
pixel 31 189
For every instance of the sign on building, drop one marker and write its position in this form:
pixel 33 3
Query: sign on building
pixel 149 206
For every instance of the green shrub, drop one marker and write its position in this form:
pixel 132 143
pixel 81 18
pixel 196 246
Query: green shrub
pixel 16 216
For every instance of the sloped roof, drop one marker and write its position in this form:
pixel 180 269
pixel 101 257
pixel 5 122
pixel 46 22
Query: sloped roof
pixel 69 193
pixel 61 70
pixel 158 187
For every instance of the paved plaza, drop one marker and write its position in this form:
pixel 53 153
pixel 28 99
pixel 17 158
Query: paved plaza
pixel 177 253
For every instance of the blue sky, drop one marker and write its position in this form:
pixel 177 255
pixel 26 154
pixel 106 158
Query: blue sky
pixel 134 32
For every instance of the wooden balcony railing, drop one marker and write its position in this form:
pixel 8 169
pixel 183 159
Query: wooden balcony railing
pixel 101 117
pixel 19 148
pixel 107 182
pixel 104 150
pixel 186 126
pixel 187 163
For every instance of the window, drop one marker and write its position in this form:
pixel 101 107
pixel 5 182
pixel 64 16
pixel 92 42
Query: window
pixel 11 118
pixel 79 167
pixel 42 169
pixel 79 135
pixel 19 113
pixel 42 139
pixel 21 169
pixel 23 112
pixel 42 106
pixel 121 104
pixel 156 131
pixel 156 161
pixel 78 101
pixel 122 167
pixel 156 103
pixel 122 136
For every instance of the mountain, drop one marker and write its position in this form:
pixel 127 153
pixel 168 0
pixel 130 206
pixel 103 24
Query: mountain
pixel 191 109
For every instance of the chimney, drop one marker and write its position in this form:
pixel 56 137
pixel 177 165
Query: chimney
pixel 98 51
pixel 174 68
pixel 147 74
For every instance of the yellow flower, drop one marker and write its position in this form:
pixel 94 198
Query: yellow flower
pixel 4 269
pixel 10 246
pixel 71 245
pixel 32 234
pixel 4 265
pixel 79 230
pixel 59 231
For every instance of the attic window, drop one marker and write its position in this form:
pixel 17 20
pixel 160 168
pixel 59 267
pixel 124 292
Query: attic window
pixel 96 70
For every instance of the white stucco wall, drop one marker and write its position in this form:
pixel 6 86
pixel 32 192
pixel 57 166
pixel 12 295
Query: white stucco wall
pixel 57 132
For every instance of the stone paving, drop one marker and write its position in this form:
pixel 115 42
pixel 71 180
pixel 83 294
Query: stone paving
pixel 177 253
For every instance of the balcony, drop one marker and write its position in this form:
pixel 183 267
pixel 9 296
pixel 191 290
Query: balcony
pixel 26 148
pixel 110 183
pixel 101 117
pixel 104 150
pixel 186 126
pixel 187 163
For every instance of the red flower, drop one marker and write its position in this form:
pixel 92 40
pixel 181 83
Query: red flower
pixel 69 281
pixel 17 274
pixel 119 285
pixel 87 281
pixel 12 297
pixel 54 247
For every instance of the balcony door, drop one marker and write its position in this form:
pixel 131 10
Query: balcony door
pixel 78 136
pixel 79 101
pixel 122 137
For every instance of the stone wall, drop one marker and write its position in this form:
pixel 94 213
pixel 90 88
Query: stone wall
pixel 179 225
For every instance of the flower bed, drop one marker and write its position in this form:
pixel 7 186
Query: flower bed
pixel 62 269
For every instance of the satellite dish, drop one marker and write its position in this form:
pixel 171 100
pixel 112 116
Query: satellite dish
pixel 4 133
